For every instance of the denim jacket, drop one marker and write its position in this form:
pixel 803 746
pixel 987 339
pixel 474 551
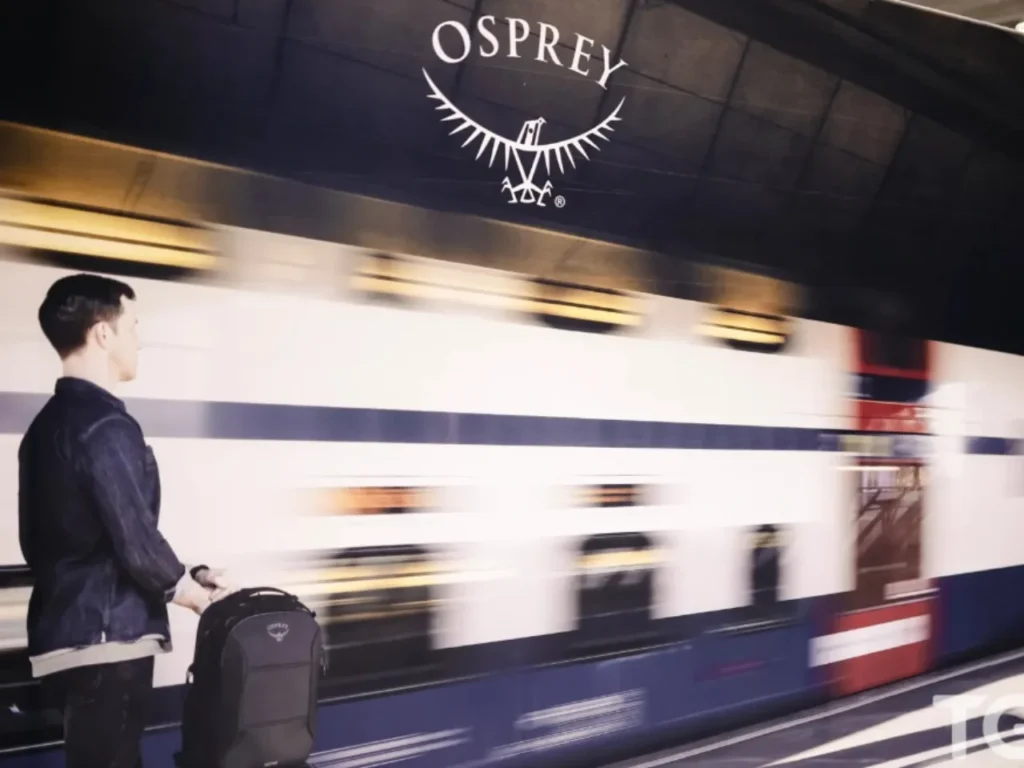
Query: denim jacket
pixel 88 507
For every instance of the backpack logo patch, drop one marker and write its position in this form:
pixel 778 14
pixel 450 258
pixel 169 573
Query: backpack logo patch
pixel 277 630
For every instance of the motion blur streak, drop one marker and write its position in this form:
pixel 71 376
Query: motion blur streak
pixel 487 482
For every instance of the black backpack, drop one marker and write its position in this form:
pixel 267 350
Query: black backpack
pixel 251 692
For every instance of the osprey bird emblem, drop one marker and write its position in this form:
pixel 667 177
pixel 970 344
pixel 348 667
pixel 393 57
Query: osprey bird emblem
pixel 526 151
pixel 277 631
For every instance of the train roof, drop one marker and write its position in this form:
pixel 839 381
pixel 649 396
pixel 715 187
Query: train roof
pixel 868 150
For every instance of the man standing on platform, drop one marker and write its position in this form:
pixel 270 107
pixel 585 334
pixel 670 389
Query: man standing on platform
pixel 88 507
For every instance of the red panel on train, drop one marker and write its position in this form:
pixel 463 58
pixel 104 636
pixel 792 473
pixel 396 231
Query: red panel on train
pixel 909 627
pixel 885 629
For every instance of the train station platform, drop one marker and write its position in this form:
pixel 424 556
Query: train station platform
pixel 906 725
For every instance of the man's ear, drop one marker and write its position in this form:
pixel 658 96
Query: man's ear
pixel 100 333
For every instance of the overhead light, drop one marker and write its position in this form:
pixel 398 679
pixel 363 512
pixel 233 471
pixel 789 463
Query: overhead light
pixel 1020 26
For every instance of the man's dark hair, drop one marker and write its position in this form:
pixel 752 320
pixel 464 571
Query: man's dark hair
pixel 74 304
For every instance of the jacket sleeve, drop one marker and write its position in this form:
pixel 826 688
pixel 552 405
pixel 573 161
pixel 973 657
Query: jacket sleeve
pixel 113 475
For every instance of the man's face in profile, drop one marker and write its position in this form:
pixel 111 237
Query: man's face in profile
pixel 124 342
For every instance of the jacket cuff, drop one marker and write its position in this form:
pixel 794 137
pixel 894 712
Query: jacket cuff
pixel 172 594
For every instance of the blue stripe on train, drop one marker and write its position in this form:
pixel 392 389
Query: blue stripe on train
pixel 259 421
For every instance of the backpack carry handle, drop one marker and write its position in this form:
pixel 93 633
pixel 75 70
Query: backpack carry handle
pixel 245 594
pixel 251 591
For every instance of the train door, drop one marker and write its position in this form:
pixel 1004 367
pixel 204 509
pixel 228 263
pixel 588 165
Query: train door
pixel 614 578
pixel 886 493
pixel 889 501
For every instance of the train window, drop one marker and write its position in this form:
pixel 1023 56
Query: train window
pixel 893 382
pixel 765 566
pixel 889 389
pixel 283 264
pixel 893 352
pixel 614 580
pixel 748 331
pixel 615 594
pixel 97 240
pixel 377 607
pixel 572 307
pixel 766 608
pixel 386 278
pixel 429 284
pixel 377 604
pixel 611 495
pixel 889 503
pixel 748 312
pixel 373 500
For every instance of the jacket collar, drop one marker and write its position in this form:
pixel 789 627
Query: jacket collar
pixel 70 385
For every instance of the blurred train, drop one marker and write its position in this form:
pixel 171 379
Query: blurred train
pixel 538 518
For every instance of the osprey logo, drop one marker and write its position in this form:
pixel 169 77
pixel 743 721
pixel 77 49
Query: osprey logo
pixel 526 151
pixel 277 630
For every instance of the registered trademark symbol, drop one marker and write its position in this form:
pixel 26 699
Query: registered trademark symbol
pixel 559 202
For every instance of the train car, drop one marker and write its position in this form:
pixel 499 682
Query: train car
pixel 537 516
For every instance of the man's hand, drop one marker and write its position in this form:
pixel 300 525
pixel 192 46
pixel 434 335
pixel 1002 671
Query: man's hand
pixel 216 581
pixel 191 595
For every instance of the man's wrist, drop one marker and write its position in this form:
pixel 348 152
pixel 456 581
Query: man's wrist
pixel 180 587
pixel 171 593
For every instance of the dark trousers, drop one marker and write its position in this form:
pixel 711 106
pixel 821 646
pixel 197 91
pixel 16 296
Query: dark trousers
pixel 104 708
